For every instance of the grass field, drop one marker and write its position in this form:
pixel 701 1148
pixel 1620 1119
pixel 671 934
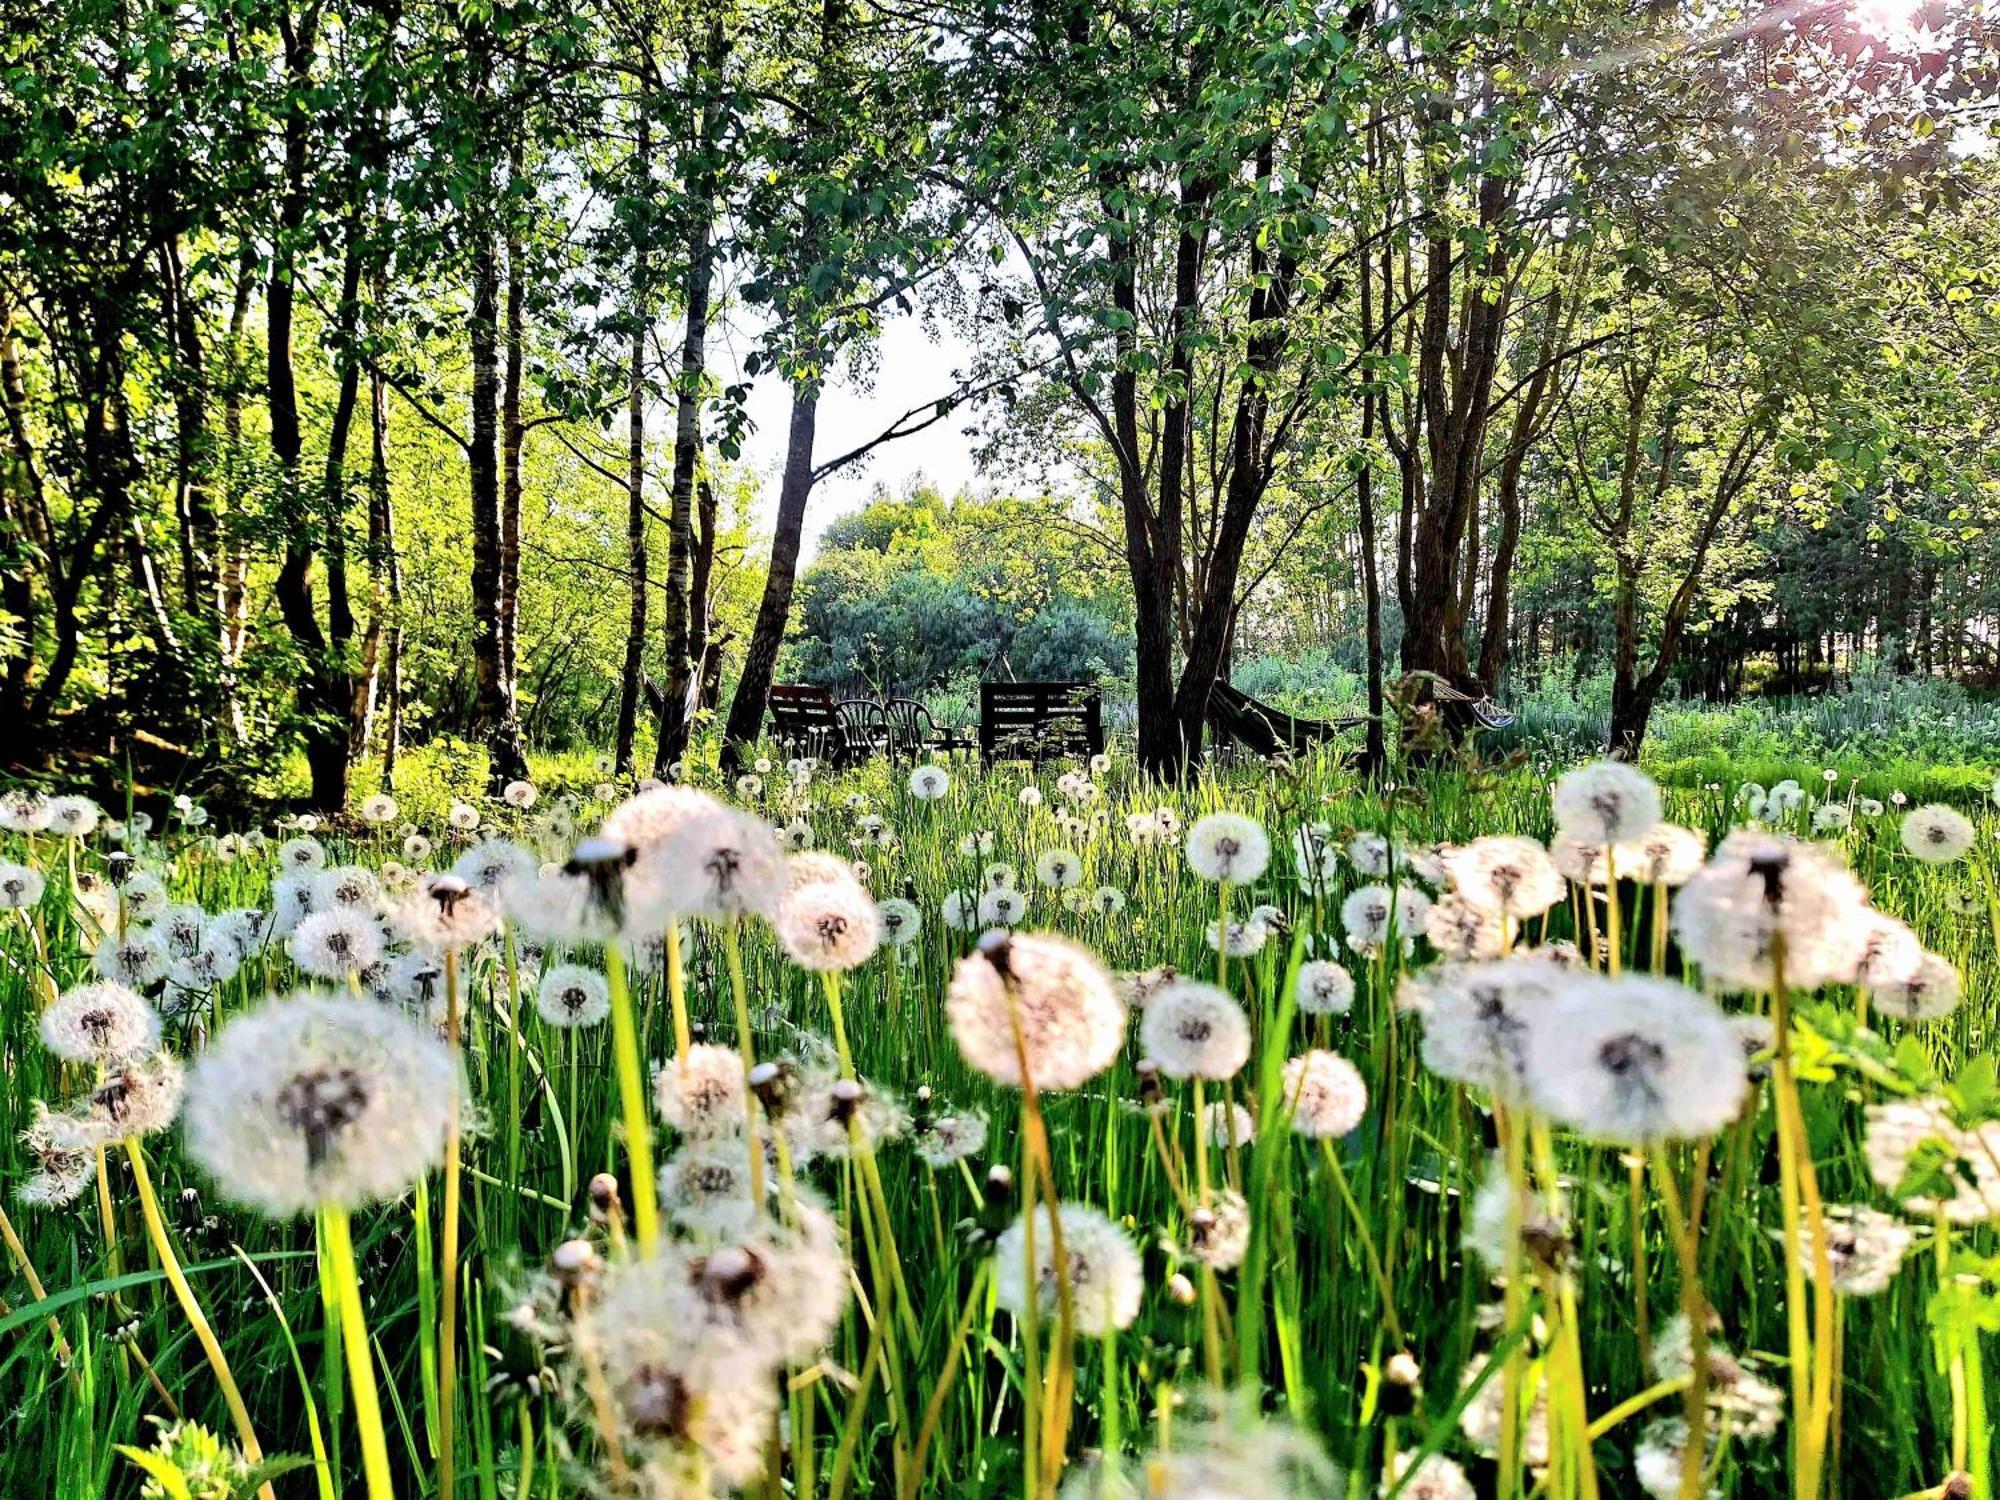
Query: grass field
pixel 1482 1287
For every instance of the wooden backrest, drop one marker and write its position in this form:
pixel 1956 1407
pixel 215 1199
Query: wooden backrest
pixel 1038 720
pixel 797 708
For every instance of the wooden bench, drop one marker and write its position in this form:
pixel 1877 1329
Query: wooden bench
pixel 1039 720
pixel 807 721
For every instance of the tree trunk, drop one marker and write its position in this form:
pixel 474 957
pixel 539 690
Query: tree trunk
pixel 687 417
pixel 493 711
pixel 635 457
pixel 767 637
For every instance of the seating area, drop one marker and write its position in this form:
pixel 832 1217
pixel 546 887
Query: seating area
pixel 809 721
pixel 1033 721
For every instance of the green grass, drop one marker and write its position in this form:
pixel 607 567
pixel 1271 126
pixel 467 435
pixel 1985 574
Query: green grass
pixel 1307 1332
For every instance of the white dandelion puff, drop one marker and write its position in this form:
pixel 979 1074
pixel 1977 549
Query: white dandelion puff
pixel 317 1099
pixel 1228 846
pixel 929 783
pixel 1105 1274
pixel 1324 1094
pixel 72 817
pixel 103 1022
pixel 572 995
pixel 335 943
pixel 1937 834
pixel 1757 892
pixel 1928 992
pixel 1195 1030
pixel 1511 876
pixel 139 959
pixel 21 887
pixel 1070 1019
pixel 828 927
pixel 443 914
pixel 1635 1061
pixel 700 1093
pixel 1324 989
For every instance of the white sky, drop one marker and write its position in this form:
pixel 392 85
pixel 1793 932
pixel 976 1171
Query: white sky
pixel 911 369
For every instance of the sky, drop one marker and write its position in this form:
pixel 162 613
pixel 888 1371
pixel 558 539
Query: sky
pixel 912 369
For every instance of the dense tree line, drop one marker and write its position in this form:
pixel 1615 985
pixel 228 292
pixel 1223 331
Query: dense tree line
pixel 351 347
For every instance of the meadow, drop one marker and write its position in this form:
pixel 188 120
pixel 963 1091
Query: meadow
pixel 1524 1131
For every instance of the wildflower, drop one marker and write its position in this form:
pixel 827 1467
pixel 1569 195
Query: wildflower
pixel 999 876
pixel 1784 799
pixel 1030 797
pixel 1513 877
pixel 1635 1061
pixel 1869 807
pixel 139 959
pixel 749 788
pixel 1888 950
pixel 1372 912
pixel 829 926
pixel 838 1116
pixel 929 783
pixel 72 817
pixel 445 915
pixel 1580 861
pixel 1372 855
pixel 1831 817
pixel 491 865
pixel 1607 802
pixel 1756 891
pixel 1665 854
pixel 1058 869
pixel 348 886
pixel 1219 1231
pixel 380 808
pixel 102 1022
pixel 64 1161
pixel 572 995
pixel 1324 989
pixel 1479 1418
pixel 1864 1249
pixel 796 836
pixel 1937 834
pixel 705 1186
pixel 1223 1448
pixel 20 887
pixel 696 1406
pixel 1228 847
pixel 900 921
pixel 1477 1020
pixel 416 848
pixel 959 910
pixel 1003 906
pixel 244 927
pixel 1658 1460
pixel 1195 1030
pixel 139 1096
pixel 1491 1218
pixel 1919 1154
pixel 944 1139
pixel 1243 939
pixel 333 944
pixel 144 895
pixel 1315 855
pixel 319 1099
pixel 718 863
pixel 1325 1094
pixel 1140 988
pixel 96 900
pixel 1071 1022
pixel 302 853
pixel 1228 1124
pixel 1748 1405
pixel 214 961
pixel 23 811
pixel 1104 1272
pixel 1462 931
pixel 463 816
pixel 1926 993
pixel 700 1093
pixel 1435 1478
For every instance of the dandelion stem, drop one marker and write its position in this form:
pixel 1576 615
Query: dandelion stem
pixel 632 1098
pixel 1362 1232
pixel 336 1236
pixel 447 1435
pixel 211 1347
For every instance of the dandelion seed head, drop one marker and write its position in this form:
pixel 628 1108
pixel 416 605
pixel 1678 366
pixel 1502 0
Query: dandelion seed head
pixel 103 1022
pixel 1478 1020
pixel 442 914
pixel 718 862
pixel 1219 1232
pixel 1435 1478
pixel 1324 1093
pixel 1462 931
pixel 21 887
pixel 334 943
pixel 947 1138
pixel 1928 992
pixel 829 926
pixel 572 995
pixel 1324 988
pixel 1635 1061
pixel 1105 1274
pixel 1937 834
pixel 301 853
pixel 700 1093
pixel 138 960
pixel 1227 846
pixel 1756 891
pixel 1195 1030
pixel 71 817
pixel 929 783
pixel 1511 876
pixel 1864 1247
pixel 1002 906
pixel 1071 1020
pixel 900 921
pixel 138 1097
pixel 316 1099
pixel 23 811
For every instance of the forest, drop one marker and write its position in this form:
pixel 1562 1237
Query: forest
pixel 377 373
pixel 1080 749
